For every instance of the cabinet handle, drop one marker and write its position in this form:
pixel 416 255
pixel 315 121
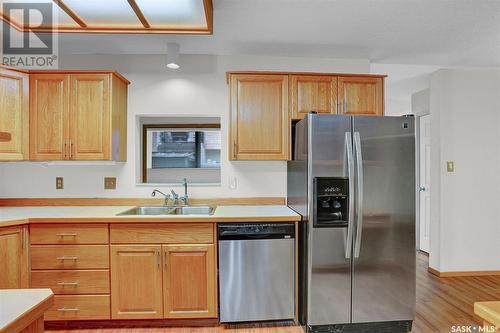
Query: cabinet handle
pixel 66 234
pixel 165 259
pixel 158 259
pixel 67 258
pixel 70 150
pixel 235 149
pixel 67 283
pixel 68 309
pixel 65 150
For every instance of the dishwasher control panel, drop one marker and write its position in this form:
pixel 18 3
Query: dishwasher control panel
pixel 256 230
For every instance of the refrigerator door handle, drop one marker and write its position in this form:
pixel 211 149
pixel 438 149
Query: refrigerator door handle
pixel 350 174
pixel 359 192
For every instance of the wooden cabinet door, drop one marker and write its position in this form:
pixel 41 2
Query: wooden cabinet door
pixel 309 93
pixel 361 96
pixel 136 282
pixel 14 117
pixel 90 117
pixel 189 282
pixel 49 107
pixel 14 266
pixel 259 117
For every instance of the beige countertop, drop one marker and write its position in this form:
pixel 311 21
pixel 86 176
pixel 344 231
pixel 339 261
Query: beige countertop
pixel 489 312
pixel 108 214
pixel 20 307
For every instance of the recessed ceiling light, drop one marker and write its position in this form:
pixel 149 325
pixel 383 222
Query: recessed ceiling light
pixel 173 56
pixel 173 65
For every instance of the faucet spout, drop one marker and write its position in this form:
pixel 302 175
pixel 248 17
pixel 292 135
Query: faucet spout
pixel 167 196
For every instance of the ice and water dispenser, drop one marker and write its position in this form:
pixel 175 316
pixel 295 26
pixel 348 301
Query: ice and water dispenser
pixel 331 202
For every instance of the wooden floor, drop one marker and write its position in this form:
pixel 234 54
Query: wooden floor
pixel 441 303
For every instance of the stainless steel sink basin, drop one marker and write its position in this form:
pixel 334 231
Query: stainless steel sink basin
pixel 193 210
pixel 179 210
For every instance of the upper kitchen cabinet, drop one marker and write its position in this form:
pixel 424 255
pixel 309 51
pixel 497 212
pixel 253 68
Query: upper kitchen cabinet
pixel 309 93
pixel 361 95
pixel 49 118
pixel 259 121
pixel 78 116
pixel 14 117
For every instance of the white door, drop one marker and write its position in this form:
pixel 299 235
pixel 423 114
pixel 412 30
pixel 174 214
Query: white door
pixel 425 200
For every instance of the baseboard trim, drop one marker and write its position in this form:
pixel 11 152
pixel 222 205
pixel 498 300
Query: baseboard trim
pixel 130 323
pixel 462 274
pixel 25 202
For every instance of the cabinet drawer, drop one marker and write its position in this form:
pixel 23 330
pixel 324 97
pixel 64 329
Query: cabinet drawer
pixel 162 233
pixel 69 234
pixel 72 282
pixel 69 256
pixel 88 307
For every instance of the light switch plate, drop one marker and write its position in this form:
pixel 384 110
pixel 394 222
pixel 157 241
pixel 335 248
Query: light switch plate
pixel 450 166
pixel 233 183
pixel 110 183
pixel 59 183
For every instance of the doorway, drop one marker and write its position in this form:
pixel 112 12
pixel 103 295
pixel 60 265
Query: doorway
pixel 424 182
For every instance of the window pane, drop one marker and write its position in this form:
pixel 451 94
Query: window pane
pixel 173 154
pixel 173 149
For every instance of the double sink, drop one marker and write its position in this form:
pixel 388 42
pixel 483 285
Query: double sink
pixel 169 210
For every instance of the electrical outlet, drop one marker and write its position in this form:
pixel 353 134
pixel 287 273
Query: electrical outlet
pixel 59 183
pixel 450 166
pixel 110 183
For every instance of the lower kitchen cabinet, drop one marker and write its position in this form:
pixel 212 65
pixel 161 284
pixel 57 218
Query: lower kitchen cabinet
pixel 118 271
pixel 79 307
pixel 189 281
pixel 72 282
pixel 136 282
pixel 14 269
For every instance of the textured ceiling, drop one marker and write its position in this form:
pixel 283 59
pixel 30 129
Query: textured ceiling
pixel 431 32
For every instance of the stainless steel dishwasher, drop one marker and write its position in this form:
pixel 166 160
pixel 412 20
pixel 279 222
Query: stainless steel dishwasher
pixel 256 271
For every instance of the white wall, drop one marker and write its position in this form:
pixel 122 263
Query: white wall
pixel 199 89
pixel 420 102
pixel 465 210
pixel 401 83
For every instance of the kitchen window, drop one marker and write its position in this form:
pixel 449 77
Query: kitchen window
pixel 177 151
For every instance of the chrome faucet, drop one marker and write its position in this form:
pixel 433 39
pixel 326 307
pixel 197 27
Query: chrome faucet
pixel 167 196
pixel 183 200
pixel 176 199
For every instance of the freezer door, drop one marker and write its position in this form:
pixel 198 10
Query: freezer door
pixel 329 262
pixel 384 243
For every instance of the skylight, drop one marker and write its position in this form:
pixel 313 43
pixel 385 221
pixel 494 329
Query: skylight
pixel 120 16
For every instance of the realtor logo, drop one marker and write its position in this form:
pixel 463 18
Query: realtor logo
pixel 23 47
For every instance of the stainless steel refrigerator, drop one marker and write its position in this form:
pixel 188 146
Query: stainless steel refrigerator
pixel 352 178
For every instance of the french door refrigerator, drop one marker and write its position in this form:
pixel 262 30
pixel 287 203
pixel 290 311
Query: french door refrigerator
pixel 352 178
